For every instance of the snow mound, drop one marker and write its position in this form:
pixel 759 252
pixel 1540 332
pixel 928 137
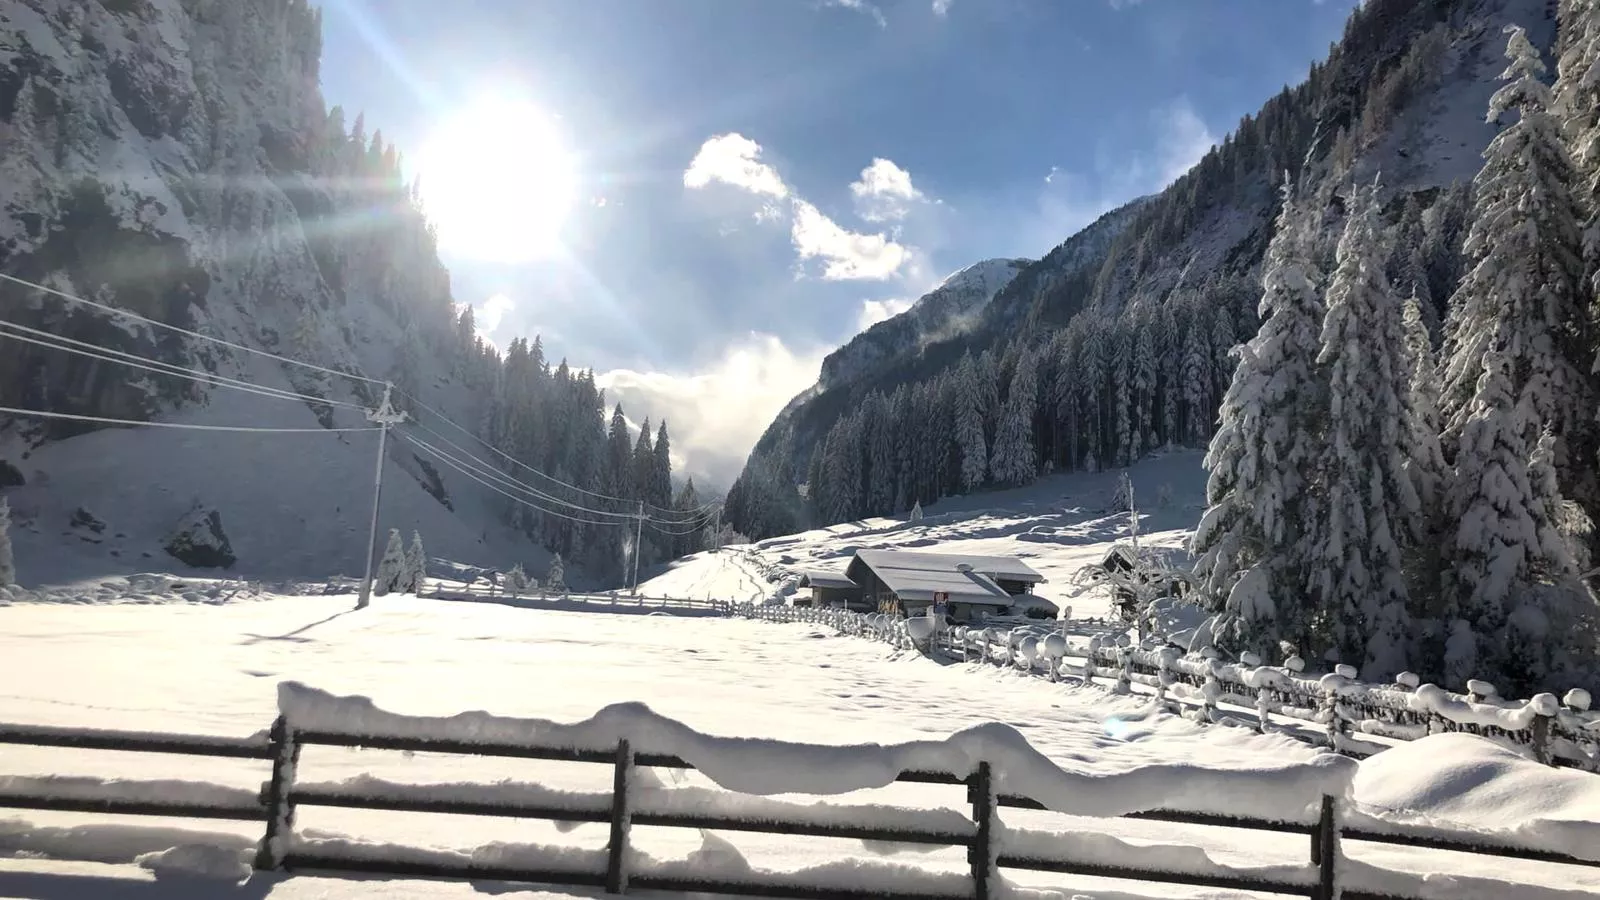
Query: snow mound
pixel 1465 782
pixel 196 861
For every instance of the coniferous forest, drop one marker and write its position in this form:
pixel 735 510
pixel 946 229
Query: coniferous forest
pixel 1400 405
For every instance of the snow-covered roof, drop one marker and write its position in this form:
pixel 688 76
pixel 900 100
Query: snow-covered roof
pixel 918 576
pixel 1008 568
pixel 824 578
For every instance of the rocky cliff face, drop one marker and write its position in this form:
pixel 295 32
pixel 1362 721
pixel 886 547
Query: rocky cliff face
pixel 175 158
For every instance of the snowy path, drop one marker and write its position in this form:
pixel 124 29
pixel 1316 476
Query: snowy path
pixel 214 670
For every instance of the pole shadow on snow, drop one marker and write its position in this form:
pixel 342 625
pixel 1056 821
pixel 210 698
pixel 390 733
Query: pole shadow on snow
pixel 295 635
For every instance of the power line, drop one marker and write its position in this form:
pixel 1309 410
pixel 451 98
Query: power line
pixel 107 354
pixel 487 470
pixel 446 419
pixel 41 414
pixel 447 461
pixel 195 334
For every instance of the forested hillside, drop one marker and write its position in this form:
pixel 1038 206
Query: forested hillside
pixel 175 160
pixel 1118 342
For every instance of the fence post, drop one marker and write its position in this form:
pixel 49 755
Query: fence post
pixel 1325 850
pixel 621 822
pixel 980 855
pixel 280 812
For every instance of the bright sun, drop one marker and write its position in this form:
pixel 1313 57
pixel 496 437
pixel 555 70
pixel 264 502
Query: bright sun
pixel 498 182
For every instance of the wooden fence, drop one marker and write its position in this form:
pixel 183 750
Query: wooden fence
pixel 616 870
pixel 1333 710
pixel 537 598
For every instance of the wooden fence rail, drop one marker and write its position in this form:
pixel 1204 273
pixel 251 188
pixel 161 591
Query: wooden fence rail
pixel 624 807
pixel 1333 709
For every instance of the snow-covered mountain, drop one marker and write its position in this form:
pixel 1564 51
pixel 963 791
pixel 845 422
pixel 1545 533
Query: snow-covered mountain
pixel 175 158
pixel 1402 96
pixel 948 309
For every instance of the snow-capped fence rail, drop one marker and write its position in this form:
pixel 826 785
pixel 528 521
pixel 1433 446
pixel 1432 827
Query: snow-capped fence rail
pixel 1334 709
pixel 994 764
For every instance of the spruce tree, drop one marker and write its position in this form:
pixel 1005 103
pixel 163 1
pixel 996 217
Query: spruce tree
pixel 969 425
pixel 661 470
pixel 1250 542
pixel 392 567
pixel 1369 515
pixel 1014 461
pixel 1425 464
pixel 1523 288
pixel 416 566
pixel 556 581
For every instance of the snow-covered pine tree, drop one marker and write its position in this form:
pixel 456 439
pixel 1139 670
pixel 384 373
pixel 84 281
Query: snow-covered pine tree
pixel 8 562
pixel 1014 461
pixel 1426 466
pixel 391 568
pixel 916 512
pixel 556 580
pixel 1146 353
pixel 661 470
pixel 1197 381
pixel 969 425
pixel 1068 396
pixel 1576 92
pixel 416 566
pixel 1127 436
pixel 1369 513
pixel 1096 370
pixel 1491 557
pixel 1249 543
pixel 1523 288
pixel 1169 367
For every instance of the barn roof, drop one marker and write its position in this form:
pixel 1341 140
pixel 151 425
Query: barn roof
pixel 1008 568
pixel 918 576
pixel 824 578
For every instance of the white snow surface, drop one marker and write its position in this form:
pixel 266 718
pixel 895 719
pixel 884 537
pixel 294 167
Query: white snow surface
pixel 217 670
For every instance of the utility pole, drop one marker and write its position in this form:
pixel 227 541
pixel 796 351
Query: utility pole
pixel 385 415
pixel 638 535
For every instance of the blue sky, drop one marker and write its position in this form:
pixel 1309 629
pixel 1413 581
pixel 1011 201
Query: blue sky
pixel 756 180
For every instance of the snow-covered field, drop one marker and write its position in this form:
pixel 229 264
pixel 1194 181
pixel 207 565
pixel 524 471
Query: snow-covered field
pixel 214 669
pixel 1057 525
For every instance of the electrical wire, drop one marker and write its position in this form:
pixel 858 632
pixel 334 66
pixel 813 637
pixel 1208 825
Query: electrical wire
pixel 487 470
pixel 508 457
pixel 446 460
pixel 41 414
pixel 195 334
pixel 107 354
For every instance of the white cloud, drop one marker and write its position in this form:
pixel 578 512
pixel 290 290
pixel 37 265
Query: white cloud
pixel 884 191
pixel 863 6
pixel 1124 4
pixel 736 160
pixel 493 311
pixel 941 7
pixel 849 256
pixel 1184 139
pixel 875 311
pixel 716 415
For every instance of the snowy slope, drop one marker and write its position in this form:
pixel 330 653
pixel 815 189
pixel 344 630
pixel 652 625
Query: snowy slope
pixel 1057 525
pixel 214 670
pixel 176 159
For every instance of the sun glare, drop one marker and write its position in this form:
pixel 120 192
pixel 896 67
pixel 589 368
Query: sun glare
pixel 498 182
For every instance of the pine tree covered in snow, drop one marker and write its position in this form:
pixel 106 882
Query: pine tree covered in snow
pixel 1250 541
pixel 516 580
pixel 416 566
pixel 969 425
pixel 1127 438
pixel 1523 290
pixel 8 562
pixel 556 580
pixel 392 566
pixel 1425 464
pixel 1368 514
pixel 1014 461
